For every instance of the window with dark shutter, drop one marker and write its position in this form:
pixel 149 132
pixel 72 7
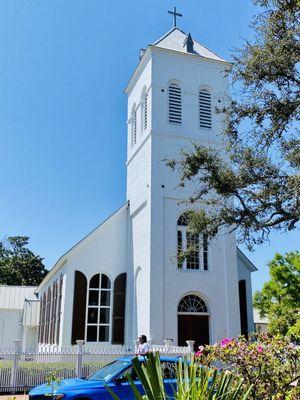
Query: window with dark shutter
pixel 243 307
pixel 205 109
pixel 174 104
pixel 119 309
pixel 79 307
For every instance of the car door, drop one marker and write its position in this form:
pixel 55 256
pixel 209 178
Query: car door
pixel 121 387
pixel 169 376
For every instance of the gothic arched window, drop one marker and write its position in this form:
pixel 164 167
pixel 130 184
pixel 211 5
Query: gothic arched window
pixel 98 309
pixel 192 303
pixel 192 251
pixel 174 104
pixel 205 114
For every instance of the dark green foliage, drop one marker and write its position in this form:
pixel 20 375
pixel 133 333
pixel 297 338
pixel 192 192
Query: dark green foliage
pixel 279 298
pixel 18 265
pixel 257 182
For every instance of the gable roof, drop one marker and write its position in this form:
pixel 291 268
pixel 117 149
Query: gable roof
pixel 245 260
pixel 63 259
pixel 175 40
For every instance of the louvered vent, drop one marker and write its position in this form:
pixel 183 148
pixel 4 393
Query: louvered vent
pixel 174 104
pixel 146 112
pixel 205 109
pixel 134 127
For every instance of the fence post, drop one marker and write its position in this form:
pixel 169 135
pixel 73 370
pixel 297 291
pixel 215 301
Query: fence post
pixel 15 362
pixel 190 344
pixel 79 358
pixel 136 345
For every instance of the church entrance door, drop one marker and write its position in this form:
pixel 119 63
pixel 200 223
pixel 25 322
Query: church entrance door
pixel 193 321
pixel 193 327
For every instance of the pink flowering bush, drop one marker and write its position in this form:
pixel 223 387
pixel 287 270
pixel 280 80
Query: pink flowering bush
pixel 270 364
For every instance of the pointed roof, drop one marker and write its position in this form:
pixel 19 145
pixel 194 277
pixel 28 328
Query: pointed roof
pixel 176 39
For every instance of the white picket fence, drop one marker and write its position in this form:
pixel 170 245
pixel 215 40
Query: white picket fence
pixel 22 369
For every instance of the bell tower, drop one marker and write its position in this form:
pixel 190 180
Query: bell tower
pixel 172 96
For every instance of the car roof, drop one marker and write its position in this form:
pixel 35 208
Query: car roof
pixel 142 358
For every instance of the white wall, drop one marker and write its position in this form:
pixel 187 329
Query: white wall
pixel 10 327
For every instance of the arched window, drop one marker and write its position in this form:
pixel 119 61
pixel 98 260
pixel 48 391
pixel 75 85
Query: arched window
pixel 205 116
pixel 175 104
pixel 192 304
pixel 145 113
pixel 190 243
pixel 133 127
pixel 98 309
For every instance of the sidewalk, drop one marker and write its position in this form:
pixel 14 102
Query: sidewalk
pixel 13 396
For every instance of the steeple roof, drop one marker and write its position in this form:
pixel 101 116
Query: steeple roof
pixel 175 40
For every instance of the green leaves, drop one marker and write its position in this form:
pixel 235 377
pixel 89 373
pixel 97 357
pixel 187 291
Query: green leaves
pixel 279 298
pixel 19 265
pixel 250 180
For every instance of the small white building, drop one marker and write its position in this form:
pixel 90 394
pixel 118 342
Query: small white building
pixel 260 323
pixel 19 314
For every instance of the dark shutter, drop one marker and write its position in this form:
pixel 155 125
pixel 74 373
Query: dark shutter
pixel 243 307
pixel 79 307
pixel 118 332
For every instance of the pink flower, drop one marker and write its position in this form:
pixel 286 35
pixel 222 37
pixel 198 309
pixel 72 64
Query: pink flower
pixel 199 352
pixel 224 342
pixel 260 349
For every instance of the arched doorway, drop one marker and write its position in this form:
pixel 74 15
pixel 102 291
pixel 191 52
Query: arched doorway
pixel 193 321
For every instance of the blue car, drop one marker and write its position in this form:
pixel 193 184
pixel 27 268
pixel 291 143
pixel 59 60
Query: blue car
pixel 112 375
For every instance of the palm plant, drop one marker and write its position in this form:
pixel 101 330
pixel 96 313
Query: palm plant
pixel 194 382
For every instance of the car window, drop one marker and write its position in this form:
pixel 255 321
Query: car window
pixel 105 373
pixel 168 369
pixel 123 376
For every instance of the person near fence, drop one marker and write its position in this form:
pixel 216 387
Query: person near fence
pixel 143 347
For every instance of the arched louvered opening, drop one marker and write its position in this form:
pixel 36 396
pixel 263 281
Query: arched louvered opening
pixel 145 112
pixel 192 303
pixel 191 245
pixel 98 309
pixel 205 112
pixel 118 332
pixel 133 127
pixel 79 307
pixel 193 320
pixel 175 106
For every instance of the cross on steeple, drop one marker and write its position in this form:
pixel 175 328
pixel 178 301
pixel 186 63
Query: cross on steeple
pixel 175 14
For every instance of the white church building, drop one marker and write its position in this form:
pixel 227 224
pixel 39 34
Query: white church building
pixel 122 279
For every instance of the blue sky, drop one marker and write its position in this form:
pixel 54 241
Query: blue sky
pixel 63 67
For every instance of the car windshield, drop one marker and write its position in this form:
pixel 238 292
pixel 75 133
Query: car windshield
pixel 105 373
